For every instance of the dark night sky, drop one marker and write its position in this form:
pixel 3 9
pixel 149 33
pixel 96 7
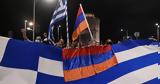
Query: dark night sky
pixel 134 15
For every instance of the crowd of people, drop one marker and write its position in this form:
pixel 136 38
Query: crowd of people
pixel 75 44
pixel 43 39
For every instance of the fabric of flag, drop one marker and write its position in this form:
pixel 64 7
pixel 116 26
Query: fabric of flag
pixel 129 62
pixel 59 14
pixel 80 25
pixel 23 62
pixel 81 63
pixel 137 63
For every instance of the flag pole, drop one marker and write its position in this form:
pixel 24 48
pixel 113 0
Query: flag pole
pixel 58 31
pixel 67 27
pixel 34 13
pixel 87 23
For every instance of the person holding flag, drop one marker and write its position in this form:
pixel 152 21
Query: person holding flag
pixel 59 14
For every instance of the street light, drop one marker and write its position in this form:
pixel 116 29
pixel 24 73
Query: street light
pixel 31 24
pixel 34 15
pixel 28 28
pixel 50 1
pixel 25 24
pixel 157 24
pixel 34 12
pixel 158 27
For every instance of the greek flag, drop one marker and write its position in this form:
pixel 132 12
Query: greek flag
pixel 23 62
pixel 59 14
pixel 129 62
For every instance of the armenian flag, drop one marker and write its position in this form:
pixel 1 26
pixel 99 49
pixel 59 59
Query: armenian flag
pixel 80 25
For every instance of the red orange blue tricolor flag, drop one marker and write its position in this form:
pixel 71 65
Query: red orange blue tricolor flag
pixel 80 25
pixel 82 63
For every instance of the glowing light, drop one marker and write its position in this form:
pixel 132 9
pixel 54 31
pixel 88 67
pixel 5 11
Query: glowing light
pixel 25 21
pixel 122 30
pixel 28 28
pixel 30 23
pixel 50 1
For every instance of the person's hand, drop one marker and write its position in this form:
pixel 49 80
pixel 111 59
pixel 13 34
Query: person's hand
pixel 24 34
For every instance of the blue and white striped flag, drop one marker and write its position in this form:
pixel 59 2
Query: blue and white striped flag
pixel 138 62
pixel 23 62
pixel 59 14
